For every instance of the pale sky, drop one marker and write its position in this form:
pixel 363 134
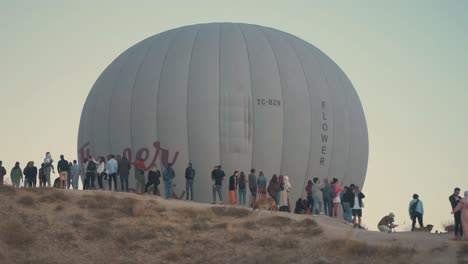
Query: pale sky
pixel 408 61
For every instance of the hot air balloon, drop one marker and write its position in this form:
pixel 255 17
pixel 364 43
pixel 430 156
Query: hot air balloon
pixel 240 95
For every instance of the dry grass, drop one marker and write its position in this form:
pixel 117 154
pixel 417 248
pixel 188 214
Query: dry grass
pixel 16 235
pixel 116 228
pixel 7 190
pixel 26 200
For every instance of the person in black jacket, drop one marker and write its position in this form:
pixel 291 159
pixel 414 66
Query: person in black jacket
pixel 357 205
pixel 2 173
pixel 454 200
pixel 63 169
pixel 30 174
pixel 189 177
pixel 348 195
pixel 154 178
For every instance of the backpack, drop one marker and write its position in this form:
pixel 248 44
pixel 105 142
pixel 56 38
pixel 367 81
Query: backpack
pixel 332 191
pixel 241 183
pixel 91 167
pixel 413 207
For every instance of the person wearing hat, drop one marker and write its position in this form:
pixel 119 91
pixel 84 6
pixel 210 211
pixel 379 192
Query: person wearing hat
pixel 387 223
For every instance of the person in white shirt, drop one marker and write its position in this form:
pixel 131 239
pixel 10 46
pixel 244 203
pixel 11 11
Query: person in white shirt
pixel 112 168
pixel 101 172
pixel 356 206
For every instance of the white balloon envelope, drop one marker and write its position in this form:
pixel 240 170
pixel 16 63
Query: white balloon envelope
pixel 243 96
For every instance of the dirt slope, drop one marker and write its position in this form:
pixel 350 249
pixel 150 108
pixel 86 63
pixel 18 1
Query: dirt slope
pixel 55 226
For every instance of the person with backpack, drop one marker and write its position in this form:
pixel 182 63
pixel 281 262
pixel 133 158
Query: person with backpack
pixel 242 189
pixel 169 175
pixel 189 177
pixel 454 200
pixel 416 211
pixel 252 187
pixel 2 173
pixel 262 185
pixel 91 170
pixel 154 179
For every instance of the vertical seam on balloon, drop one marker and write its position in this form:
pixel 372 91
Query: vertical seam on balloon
pixel 112 97
pixel 160 77
pixel 219 92
pixel 143 60
pixel 310 112
pixel 282 93
pixel 251 90
pixel 347 108
pixel 188 86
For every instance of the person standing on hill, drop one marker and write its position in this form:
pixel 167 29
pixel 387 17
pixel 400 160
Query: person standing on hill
pixel 346 200
pixel 274 189
pixel 16 175
pixel 217 176
pixel 189 178
pixel 242 189
pixel 416 211
pixel 336 190
pixel 454 200
pixel 169 175
pixel 310 201
pixel 124 171
pixel 233 188
pixel 327 198
pixel 75 172
pixel 317 196
pixel 112 168
pixel 140 176
pixel 463 208
pixel 356 206
pixel 30 174
pixel 262 185
pixel 101 172
pixel 154 178
pixel 63 168
pixel 49 167
pixel 69 178
pixel 252 187
pixel 91 170
pixel 2 173
pixel 42 177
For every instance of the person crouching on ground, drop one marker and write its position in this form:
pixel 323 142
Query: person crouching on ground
pixel 387 223
pixel 300 209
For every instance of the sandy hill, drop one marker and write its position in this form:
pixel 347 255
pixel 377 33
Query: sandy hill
pixel 57 226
